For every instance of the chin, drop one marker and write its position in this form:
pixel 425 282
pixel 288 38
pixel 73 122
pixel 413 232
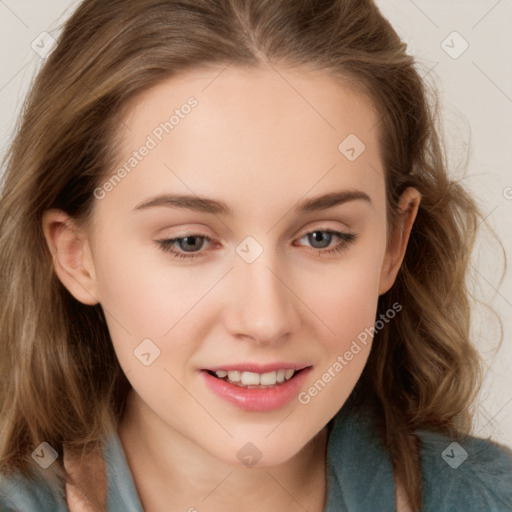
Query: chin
pixel 258 453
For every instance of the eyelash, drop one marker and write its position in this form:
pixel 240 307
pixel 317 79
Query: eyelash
pixel 345 240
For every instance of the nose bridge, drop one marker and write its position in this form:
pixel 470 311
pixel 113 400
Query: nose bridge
pixel 261 307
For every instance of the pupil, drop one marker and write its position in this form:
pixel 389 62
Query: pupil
pixel 188 241
pixel 320 236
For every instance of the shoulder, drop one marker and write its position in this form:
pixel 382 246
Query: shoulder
pixel 467 473
pixel 43 491
pixel 354 449
pixel 21 494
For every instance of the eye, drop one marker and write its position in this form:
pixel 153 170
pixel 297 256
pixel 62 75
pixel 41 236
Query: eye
pixel 320 239
pixel 189 245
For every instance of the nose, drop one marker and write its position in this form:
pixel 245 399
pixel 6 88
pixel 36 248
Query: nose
pixel 262 306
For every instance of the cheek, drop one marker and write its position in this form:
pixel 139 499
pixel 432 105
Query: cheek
pixel 144 301
pixel 348 300
pixel 348 308
pixel 345 295
pixel 142 287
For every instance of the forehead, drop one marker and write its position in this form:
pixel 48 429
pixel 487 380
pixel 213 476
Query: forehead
pixel 243 132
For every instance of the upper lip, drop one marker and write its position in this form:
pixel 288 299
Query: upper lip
pixel 258 368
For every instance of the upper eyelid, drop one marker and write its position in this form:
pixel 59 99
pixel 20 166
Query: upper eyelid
pixel 303 233
pixel 191 231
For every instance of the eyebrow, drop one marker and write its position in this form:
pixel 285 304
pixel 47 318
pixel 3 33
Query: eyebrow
pixel 213 206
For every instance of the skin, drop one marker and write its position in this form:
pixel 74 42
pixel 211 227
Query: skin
pixel 260 146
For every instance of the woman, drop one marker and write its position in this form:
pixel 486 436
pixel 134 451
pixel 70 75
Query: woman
pixel 233 271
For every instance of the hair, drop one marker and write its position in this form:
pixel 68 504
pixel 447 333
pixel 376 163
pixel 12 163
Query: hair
pixel 60 378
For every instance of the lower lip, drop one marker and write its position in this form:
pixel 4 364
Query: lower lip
pixel 257 399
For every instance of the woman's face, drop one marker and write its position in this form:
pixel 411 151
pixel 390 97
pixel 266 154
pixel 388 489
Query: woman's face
pixel 247 236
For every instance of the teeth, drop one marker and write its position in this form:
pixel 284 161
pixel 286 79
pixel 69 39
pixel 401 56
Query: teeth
pixel 268 379
pixel 256 379
pixel 250 379
pixel 234 376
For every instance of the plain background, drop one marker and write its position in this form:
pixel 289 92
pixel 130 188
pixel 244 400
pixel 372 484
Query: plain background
pixel 475 88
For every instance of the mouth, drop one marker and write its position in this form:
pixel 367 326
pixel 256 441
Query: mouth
pixel 254 380
pixel 256 388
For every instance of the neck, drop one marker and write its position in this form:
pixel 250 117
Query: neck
pixel 172 473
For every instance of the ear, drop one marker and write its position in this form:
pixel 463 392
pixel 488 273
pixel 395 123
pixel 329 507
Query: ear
pixel 408 208
pixel 72 258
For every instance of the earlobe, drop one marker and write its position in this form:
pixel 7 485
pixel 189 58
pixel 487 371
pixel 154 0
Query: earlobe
pixel 72 258
pixel 408 206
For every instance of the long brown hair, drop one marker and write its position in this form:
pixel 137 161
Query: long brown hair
pixel 60 381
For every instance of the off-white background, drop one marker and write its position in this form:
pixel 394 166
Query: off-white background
pixel 476 94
